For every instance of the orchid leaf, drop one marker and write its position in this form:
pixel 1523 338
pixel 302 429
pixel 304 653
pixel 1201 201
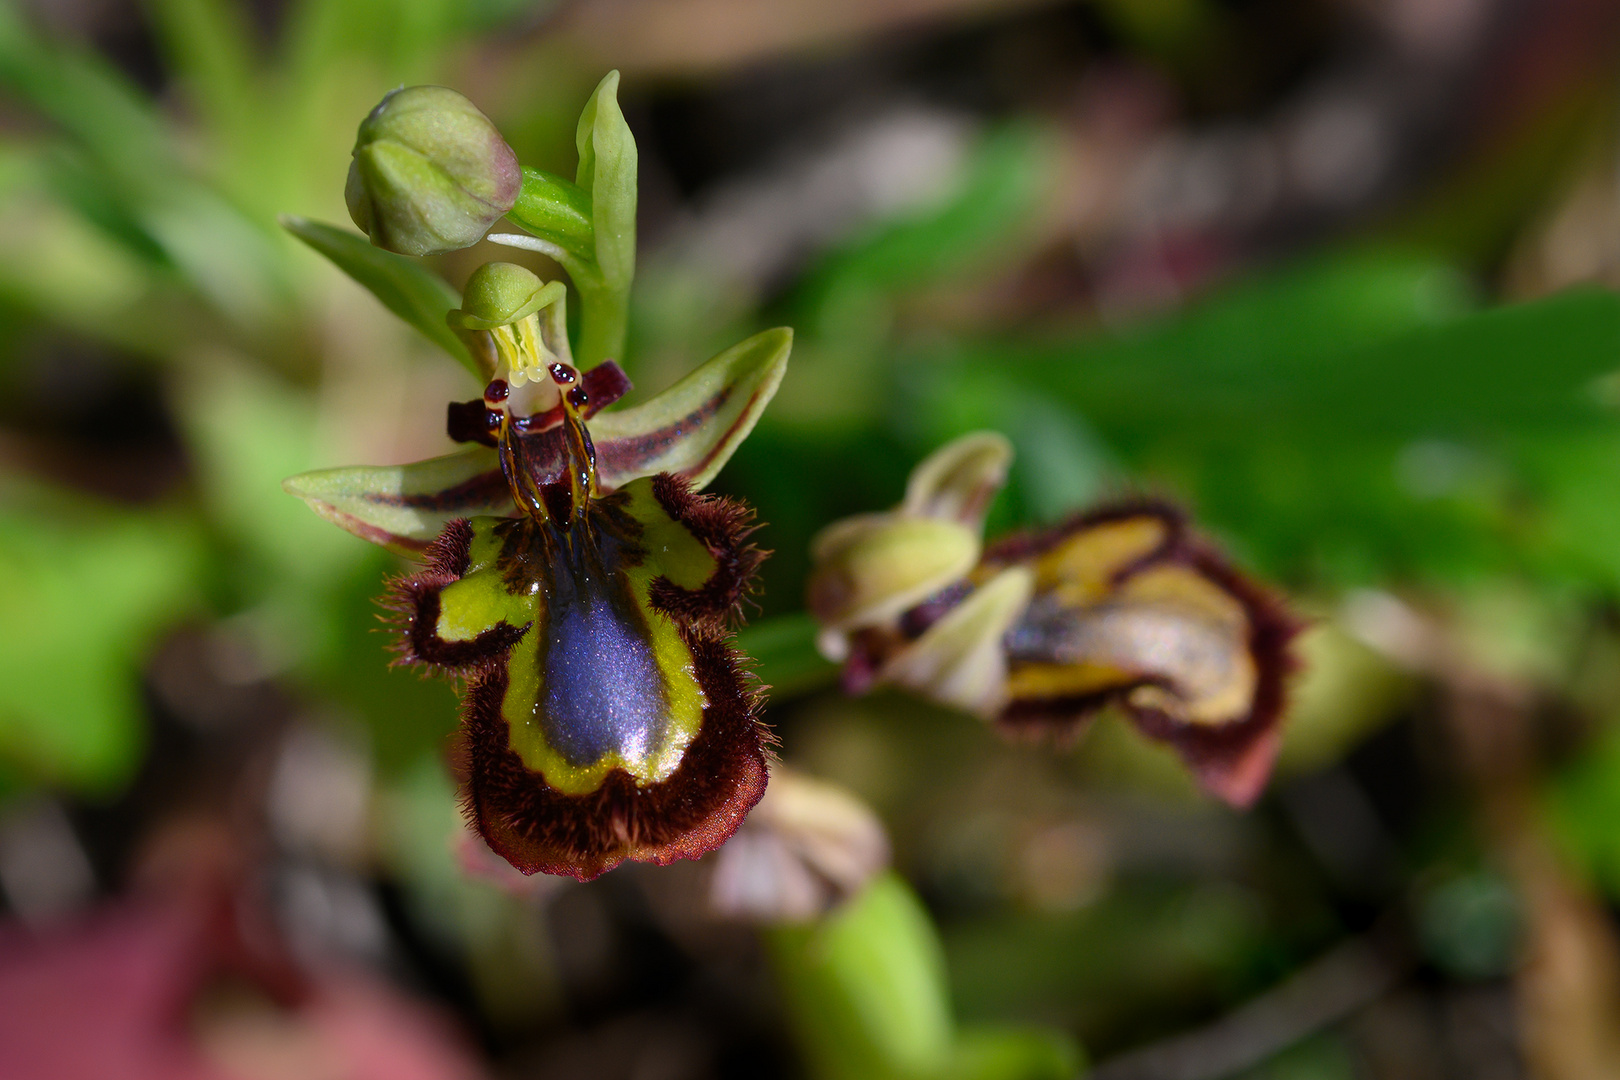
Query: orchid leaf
pixel 693 428
pixel 210 46
pixel 405 287
pixel 403 507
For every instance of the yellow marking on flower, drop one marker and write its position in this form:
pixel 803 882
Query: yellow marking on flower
pixel 483 598
pixel 1081 569
pixel 522 348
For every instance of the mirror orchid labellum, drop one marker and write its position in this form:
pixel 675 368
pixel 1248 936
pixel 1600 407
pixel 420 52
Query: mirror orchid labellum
pixel 581 589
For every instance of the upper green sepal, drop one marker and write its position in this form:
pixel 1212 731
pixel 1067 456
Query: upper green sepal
pixel 607 170
pixel 590 225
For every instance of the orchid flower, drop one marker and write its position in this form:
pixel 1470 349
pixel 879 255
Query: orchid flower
pixel 1118 606
pixel 573 579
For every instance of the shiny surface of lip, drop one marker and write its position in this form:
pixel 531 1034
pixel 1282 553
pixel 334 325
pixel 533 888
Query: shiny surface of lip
pixel 604 693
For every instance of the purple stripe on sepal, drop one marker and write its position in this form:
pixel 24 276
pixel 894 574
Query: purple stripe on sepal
pixel 486 489
pixel 628 458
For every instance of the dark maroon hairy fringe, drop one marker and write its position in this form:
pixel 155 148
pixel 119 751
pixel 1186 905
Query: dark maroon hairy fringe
pixel 540 830
pixel 723 526
pixel 413 605
pixel 1231 760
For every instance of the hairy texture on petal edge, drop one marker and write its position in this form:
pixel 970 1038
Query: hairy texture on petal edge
pixel 722 525
pixel 413 604
pixel 537 829
pixel 1231 760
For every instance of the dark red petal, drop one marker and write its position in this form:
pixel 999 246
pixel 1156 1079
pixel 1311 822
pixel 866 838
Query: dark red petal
pixel 469 421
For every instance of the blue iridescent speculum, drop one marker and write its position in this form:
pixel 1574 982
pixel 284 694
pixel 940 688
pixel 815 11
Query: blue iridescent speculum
pixel 602 680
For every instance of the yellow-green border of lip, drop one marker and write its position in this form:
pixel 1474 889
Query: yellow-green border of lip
pixel 481 600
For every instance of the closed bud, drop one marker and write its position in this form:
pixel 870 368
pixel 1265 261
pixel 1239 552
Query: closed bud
pixel 430 173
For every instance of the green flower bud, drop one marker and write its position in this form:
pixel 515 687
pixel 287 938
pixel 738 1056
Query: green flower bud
pixel 430 173
pixel 499 294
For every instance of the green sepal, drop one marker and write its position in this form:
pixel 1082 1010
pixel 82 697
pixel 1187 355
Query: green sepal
pixel 607 170
pixel 403 507
pixel 713 408
pixel 690 430
pixel 405 287
pixel 556 210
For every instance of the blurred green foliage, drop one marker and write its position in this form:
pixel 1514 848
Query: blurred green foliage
pixel 866 991
pixel 1361 416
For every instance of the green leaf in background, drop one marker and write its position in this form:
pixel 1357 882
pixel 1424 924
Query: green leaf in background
pixel 210 48
pixel 84 96
pixel 1582 804
pixel 1010 1053
pixel 225 257
pixel 784 653
pixel 248 431
pixel 1339 351
pixel 865 988
pixel 405 287
pixel 89 589
pixel 1350 419
pixel 1010 170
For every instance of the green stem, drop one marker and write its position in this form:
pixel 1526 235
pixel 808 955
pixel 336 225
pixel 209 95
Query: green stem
pixel 604 319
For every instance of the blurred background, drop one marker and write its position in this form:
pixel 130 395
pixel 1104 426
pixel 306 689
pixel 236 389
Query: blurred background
pixel 1337 275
